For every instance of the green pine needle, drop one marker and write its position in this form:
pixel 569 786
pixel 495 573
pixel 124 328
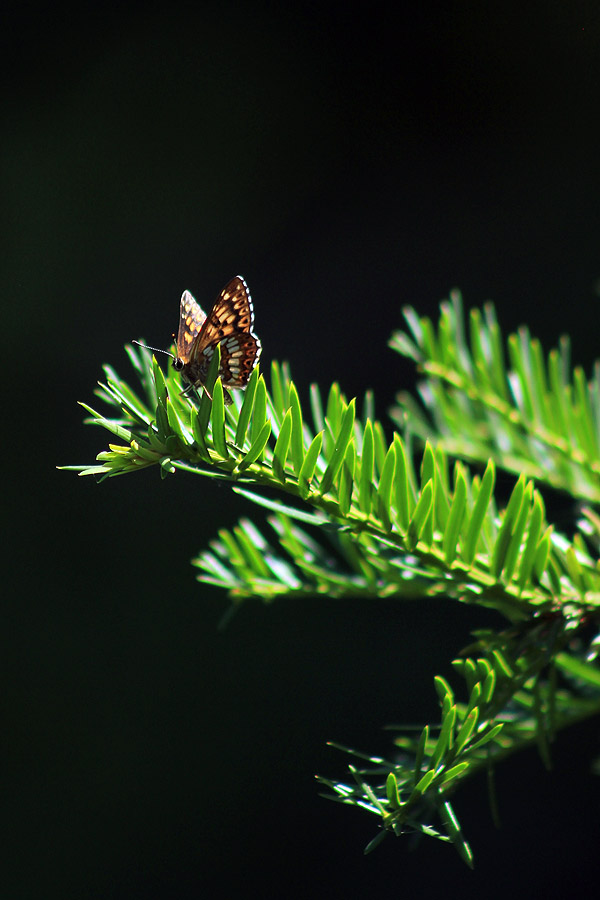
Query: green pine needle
pixel 364 511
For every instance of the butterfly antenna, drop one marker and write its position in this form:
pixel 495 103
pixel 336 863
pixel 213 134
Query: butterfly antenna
pixel 155 349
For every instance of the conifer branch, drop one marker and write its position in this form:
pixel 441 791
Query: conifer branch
pixel 361 514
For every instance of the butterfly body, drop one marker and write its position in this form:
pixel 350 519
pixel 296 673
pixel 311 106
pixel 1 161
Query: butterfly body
pixel 228 325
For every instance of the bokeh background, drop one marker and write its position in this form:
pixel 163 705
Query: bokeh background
pixel 345 160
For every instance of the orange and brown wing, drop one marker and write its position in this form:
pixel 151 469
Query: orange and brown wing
pixel 239 354
pixel 191 320
pixel 232 313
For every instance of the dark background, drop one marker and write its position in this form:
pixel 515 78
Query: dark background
pixel 346 161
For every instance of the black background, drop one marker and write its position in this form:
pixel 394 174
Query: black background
pixel 346 161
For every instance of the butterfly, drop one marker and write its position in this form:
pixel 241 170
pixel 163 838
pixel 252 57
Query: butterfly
pixel 228 325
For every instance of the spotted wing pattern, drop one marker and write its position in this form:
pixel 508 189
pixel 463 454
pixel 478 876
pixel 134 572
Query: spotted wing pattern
pixel 228 324
pixel 191 319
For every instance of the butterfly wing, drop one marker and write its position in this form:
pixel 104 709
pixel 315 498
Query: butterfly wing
pixel 229 323
pixel 191 320
pixel 239 355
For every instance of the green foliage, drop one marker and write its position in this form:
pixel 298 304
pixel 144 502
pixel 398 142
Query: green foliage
pixel 536 418
pixel 406 516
